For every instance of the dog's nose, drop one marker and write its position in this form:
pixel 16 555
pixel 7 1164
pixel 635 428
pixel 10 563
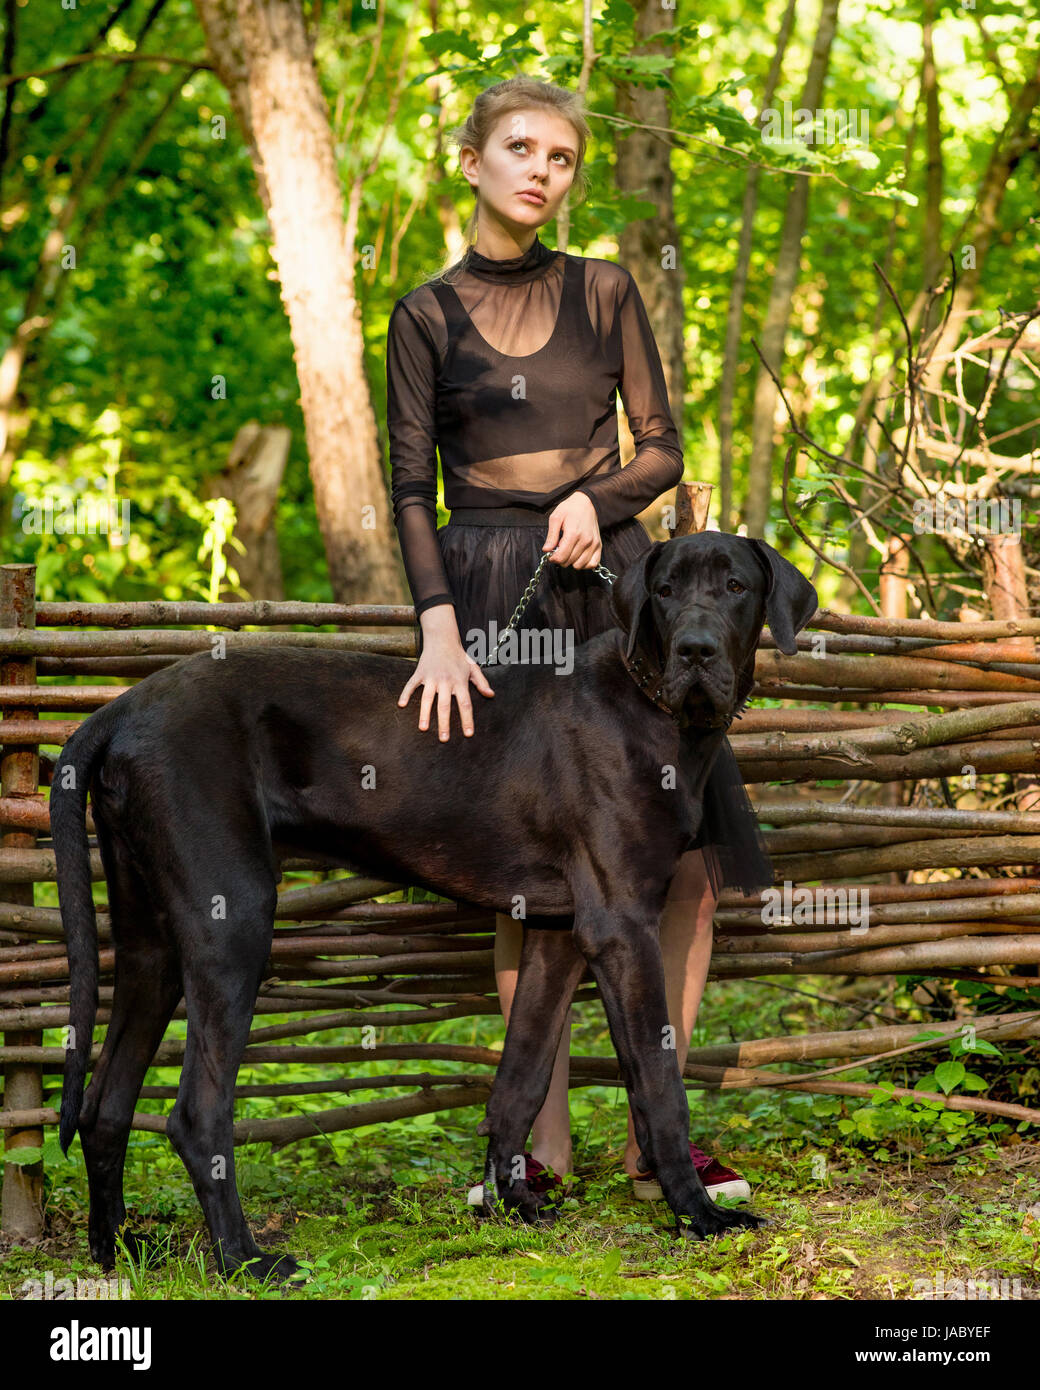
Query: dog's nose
pixel 696 644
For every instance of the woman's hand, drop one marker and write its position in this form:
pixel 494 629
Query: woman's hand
pixel 444 670
pixel 574 533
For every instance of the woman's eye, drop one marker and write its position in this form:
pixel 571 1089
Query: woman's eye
pixel 564 157
pixel 735 586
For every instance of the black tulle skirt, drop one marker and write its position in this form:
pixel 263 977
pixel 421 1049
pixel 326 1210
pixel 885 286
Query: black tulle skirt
pixel 488 569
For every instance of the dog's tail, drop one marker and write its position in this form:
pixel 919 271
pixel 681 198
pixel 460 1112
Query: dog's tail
pixel 68 808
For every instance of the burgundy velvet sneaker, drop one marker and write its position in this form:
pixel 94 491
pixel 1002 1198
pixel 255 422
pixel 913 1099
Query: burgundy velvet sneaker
pixel 538 1177
pixel 718 1181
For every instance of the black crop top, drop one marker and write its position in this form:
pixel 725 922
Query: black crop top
pixel 512 372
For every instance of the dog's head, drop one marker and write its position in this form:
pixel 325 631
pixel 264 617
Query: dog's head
pixel 694 606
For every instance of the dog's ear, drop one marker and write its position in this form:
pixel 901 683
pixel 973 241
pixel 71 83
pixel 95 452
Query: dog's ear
pixel 790 599
pixel 630 604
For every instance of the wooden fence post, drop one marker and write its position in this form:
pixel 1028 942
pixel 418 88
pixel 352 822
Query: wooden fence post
pixel 692 503
pixel 21 1207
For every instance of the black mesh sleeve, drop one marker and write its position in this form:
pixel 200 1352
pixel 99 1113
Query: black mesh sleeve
pixel 411 369
pixel 658 461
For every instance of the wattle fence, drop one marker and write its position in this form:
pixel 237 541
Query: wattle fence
pixel 342 959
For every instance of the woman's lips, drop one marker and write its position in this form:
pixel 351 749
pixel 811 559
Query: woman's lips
pixel 532 198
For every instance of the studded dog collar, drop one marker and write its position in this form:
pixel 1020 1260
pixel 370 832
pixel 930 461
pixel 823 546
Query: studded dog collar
pixel 646 676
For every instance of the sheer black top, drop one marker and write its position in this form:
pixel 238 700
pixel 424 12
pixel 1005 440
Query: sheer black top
pixel 512 372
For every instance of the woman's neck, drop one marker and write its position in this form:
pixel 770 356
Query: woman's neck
pixel 524 265
pixel 496 243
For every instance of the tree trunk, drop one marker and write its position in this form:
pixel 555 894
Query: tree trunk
pixel 861 552
pixel 735 316
pixel 932 257
pixel 263 53
pixel 652 244
pixel 774 329
pixel 1016 139
pixel 443 202
pixel 251 480
pixel 976 232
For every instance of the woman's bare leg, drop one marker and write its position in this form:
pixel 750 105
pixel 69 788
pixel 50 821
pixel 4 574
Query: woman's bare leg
pixel 551 1131
pixel 686 941
pixel 686 938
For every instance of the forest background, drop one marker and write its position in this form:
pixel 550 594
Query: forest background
pixel 207 213
pixel 206 222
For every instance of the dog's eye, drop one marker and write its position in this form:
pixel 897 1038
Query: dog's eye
pixel 665 591
pixel 735 586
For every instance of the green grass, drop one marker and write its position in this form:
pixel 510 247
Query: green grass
pixel 366 1226
pixel 863 1197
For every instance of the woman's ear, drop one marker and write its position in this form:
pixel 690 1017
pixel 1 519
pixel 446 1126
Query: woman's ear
pixel 630 604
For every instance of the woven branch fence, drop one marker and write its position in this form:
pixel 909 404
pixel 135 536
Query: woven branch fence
pixel 341 959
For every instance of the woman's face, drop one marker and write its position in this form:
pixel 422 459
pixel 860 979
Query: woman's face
pixel 531 150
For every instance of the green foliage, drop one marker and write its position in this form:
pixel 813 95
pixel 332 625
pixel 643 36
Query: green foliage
pixel 169 333
pixel 379 1212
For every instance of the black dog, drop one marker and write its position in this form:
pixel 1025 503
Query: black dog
pixel 209 772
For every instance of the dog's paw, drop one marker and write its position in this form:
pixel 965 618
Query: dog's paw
pixel 274 1269
pixel 539 1212
pixel 519 1203
pixel 717 1221
pixel 104 1255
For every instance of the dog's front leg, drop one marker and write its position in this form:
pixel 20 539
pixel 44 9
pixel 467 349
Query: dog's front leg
pixel 623 948
pixel 550 968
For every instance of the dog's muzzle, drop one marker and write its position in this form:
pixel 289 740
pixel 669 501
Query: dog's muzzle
pixel 687 701
pixel 700 693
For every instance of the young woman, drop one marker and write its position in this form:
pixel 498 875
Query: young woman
pixel 509 363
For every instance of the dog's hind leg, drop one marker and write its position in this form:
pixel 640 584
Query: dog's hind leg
pixel 550 968
pixel 223 962
pixel 147 988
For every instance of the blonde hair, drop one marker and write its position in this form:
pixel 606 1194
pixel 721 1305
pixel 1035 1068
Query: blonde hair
pixel 515 94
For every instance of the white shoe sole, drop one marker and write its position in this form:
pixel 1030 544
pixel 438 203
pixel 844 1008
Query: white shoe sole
pixel 649 1190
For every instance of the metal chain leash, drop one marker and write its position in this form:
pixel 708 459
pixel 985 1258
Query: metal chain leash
pixel 525 599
